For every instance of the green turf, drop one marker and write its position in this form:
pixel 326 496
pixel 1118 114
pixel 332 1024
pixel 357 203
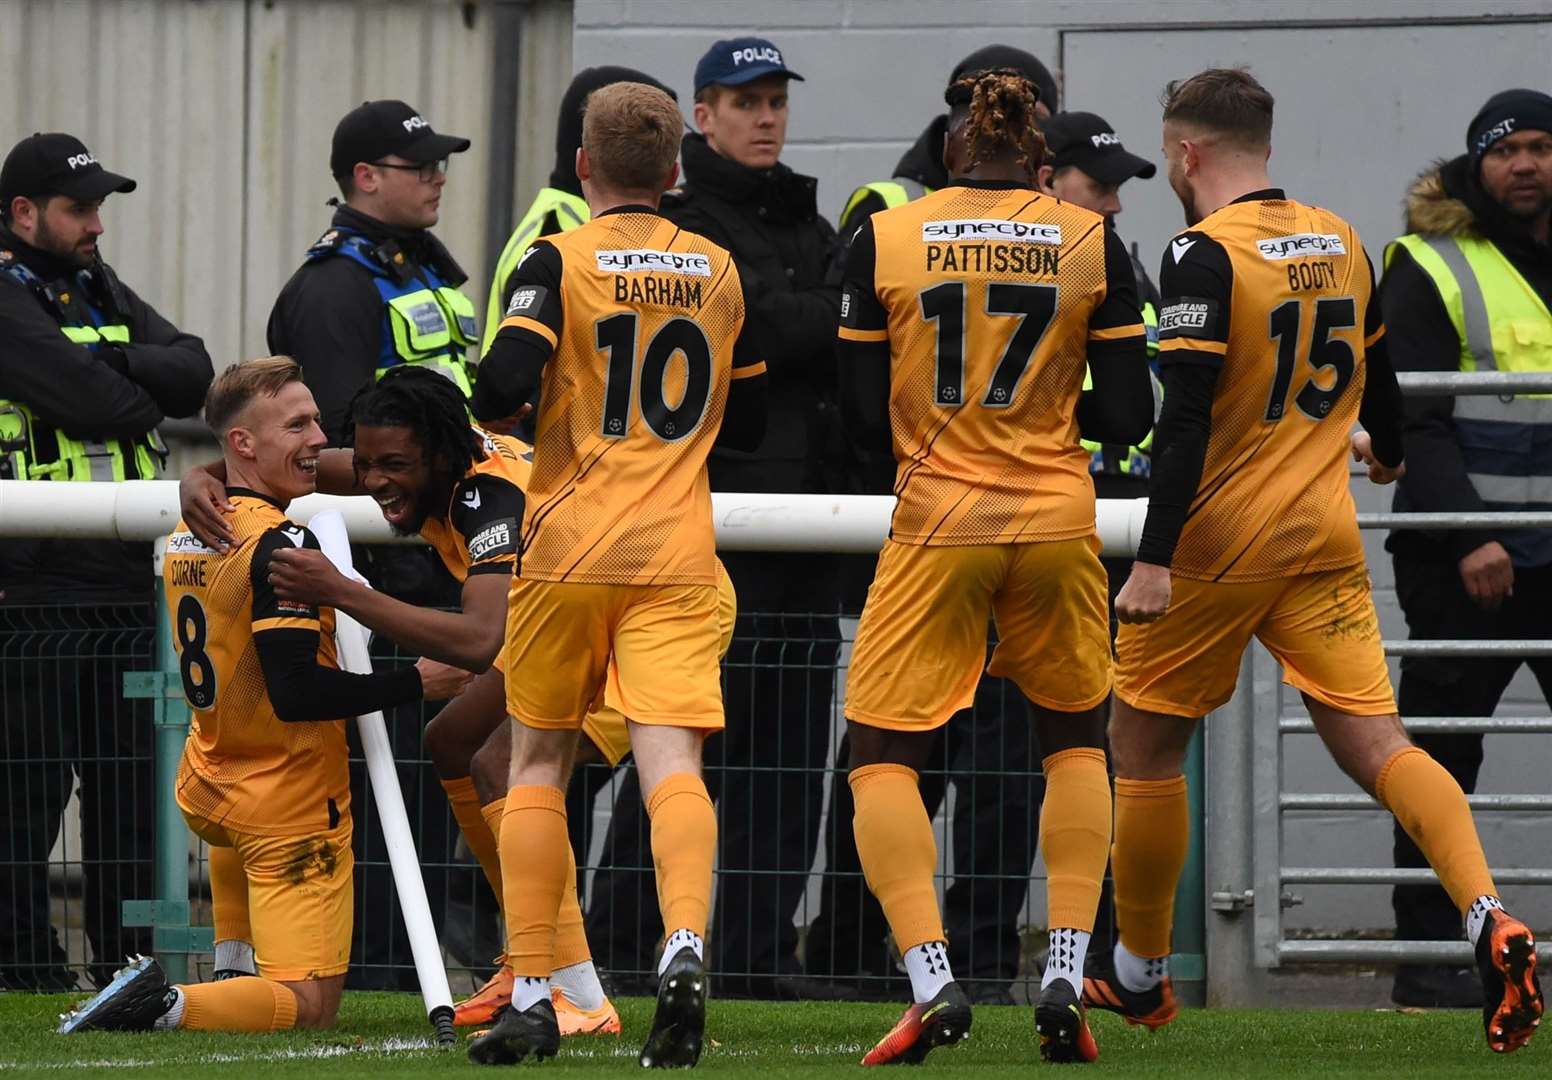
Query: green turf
pixel 384 1034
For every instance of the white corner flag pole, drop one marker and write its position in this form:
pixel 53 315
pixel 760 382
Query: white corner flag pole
pixel 329 528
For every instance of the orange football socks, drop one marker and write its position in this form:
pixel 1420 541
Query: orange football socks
pixel 684 845
pixel 246 1004
pixel 1433 811
pixel 535 857
pixel 570 937
pixel 473 823
pixel 1152 832
pixel 1075 835
pixel 898 854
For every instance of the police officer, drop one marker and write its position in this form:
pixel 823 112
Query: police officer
pixel 1469 288
pixel 559 207
pixel 1086 165
pixel 87 371
pixel 996 818
pixel 378 290
pixel 781 667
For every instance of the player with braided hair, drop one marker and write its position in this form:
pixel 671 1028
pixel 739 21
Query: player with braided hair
pixel 967 318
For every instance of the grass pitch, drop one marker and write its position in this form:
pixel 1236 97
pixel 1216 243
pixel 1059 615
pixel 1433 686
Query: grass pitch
pixel 381 1035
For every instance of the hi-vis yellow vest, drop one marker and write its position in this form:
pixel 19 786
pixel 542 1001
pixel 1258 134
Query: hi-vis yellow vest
pixel 570 211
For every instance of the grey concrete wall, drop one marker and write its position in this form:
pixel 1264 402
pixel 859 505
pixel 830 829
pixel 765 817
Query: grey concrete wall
pixel 1367 95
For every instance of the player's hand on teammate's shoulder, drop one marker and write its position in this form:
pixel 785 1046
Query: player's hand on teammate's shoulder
pixel 203 503
pixel 509 425
pixel 1146 594
pixel 306 576
pixel 439 681
pixel 1379 473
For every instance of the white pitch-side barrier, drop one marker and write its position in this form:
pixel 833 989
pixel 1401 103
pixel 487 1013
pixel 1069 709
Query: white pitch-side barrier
pixel 329 527
pixel 147 509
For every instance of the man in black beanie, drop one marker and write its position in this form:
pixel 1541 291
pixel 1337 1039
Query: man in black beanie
pixel 1469 288
pixel 560 206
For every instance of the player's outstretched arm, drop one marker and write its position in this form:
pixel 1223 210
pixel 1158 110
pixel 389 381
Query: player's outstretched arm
pixel 467 639
pixel 203 503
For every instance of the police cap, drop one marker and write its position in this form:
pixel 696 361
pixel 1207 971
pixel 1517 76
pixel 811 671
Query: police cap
pixel 54 163
pixel 375 129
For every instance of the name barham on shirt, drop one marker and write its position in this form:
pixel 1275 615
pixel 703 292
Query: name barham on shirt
pixel 656 278
pixel 992 245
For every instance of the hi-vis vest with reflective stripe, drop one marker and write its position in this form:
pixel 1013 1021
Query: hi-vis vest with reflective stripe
pixel 1505 442
pixel 32 450
pixel 427 321
pixel 896 192
pixel 570 211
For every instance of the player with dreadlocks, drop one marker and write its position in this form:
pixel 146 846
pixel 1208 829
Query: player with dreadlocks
pixel 967 318
pixel 461 489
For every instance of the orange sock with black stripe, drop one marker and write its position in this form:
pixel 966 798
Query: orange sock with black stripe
pixel 535 852
pixel 684 846
pixel 897 851
pixel 1075 835
pixel 1152 833
pixel 1433 810
pixel 246 1004
pixel 472 822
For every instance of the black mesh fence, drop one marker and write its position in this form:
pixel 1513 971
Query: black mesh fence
pixel 792 917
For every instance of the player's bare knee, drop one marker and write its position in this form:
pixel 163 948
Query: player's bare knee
pixel 881 746
pixel 1147 745
pixel 317 1001
pixel 448 752
pixel 1360 745
pixel 492 764
pixel 1059 731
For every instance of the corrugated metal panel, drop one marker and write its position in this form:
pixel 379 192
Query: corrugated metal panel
pixel 223 111
pixel 155 90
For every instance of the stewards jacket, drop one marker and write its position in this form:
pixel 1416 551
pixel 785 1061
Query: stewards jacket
pixel 769 220
pixel 1446 200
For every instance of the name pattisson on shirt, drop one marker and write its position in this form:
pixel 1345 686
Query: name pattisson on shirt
pixel 992 245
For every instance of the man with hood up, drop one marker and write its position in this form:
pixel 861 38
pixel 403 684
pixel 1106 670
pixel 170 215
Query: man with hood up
pixel 1469 289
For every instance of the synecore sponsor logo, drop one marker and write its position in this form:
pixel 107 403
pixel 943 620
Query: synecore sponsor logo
pixel 645 260
pixel 188 543
pixel 1187 315
pixel 1301 244
pixel 1028 232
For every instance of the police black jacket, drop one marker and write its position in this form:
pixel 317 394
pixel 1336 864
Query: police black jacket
pixel 770 221
pixel 113 392
pixel 1446 200
pixel 329 317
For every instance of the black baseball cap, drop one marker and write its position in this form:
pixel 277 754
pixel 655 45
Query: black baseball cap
pixel 735 61
pixel 998 57
pixel 53 163
pixel 1085 140
pixel 374 129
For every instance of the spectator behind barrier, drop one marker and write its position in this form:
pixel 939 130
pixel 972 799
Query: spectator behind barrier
pixel 1468 289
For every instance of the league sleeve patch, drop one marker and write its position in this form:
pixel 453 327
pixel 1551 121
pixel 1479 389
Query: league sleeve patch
pixel 527 300
pixel 1189 316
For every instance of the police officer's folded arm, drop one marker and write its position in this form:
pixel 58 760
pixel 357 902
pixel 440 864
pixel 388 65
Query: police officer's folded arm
pixel 64 384
pixel 329 319
pixel 172 366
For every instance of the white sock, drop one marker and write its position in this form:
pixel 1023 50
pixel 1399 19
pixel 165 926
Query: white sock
pixel 680 939
pixel 173 1016
pixel 580 986
pixel 1064 958
pixel 528 991
pixel 1476 916
pixel 235 955
pixel 928 968
pixel 1139 973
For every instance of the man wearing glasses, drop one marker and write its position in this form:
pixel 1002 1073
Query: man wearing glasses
pixel 375 292
pixel 378 289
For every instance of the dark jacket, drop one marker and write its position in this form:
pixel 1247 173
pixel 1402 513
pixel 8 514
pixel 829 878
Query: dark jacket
pixel 770 221
pixel 1446 200
pixel 113 392
pixel 922 163
pixel 330 318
